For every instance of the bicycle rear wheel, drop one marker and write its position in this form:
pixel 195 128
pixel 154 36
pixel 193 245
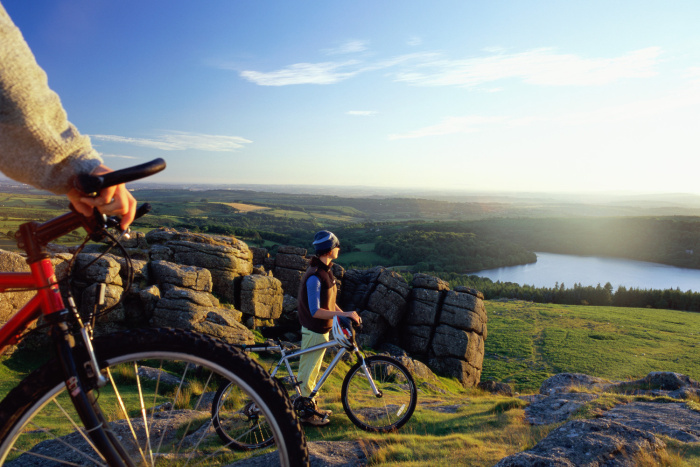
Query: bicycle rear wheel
pixel 157 405
pixel 238 421
pixel 397 399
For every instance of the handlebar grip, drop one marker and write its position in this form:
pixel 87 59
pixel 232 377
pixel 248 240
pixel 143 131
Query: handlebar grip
pixel 93 184
pixel 142 210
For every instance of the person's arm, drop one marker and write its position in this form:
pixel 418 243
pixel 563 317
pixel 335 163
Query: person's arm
pixel 38 145
pixel 313 293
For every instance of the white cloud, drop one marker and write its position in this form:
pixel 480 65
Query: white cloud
pixel 354 46
pixel 362 113
pixel 303 73
pixel 177 141
pixel 450 125
pixel 539 66
pixel 414 41
pixel 661 109
pixel 543 67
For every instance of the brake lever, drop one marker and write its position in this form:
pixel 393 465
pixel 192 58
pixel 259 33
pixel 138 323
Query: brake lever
pixel 114 222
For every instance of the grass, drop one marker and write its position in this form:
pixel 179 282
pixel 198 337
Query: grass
pixel 529 342
pixel 526 344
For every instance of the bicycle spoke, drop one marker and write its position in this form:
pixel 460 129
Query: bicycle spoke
pixel 126 416
pixel 177 394
pixel 143 414
pixel 41 456
pixel 77 428
pixel 61 441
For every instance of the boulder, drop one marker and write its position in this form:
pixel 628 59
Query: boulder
pixel 259 255
pixel 373 329
pixel 590 442
pixel 452 342
pixel 463 310
pixel 112 295
pixel 456 368
pixel 378 290
pixel 94 267
pixel 495 387
pixel 564 382
pixel 200 311
pixel 423 307
pixel 290 279
pixel 425 281
pixel 261 297
pixel 191 277
pixel 416 339
pixel 11 302
pixel 227 258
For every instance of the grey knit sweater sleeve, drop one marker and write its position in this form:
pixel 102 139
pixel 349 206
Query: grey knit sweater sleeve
pixel 38 145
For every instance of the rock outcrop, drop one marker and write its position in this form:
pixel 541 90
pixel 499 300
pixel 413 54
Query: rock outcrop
pixel 621 435
pixel 219 286
pixel 261 300
pixel 380 297
pixel 447 327
pixel 225 257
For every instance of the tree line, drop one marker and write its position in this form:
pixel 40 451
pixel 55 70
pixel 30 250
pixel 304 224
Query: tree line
pixel 450 251
pixel 605 295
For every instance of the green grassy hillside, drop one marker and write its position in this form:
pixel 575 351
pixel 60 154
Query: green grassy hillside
pixel 528 342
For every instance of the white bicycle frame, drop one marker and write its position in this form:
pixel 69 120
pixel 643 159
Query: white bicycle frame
pixel 331 366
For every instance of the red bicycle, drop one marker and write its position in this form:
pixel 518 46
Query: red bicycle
pixel 132 398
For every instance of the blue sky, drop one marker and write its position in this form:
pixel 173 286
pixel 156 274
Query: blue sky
pixel 534 96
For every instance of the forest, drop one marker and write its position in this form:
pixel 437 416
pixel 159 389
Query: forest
pixel 671 299
pixel 419 235
pixel 427 250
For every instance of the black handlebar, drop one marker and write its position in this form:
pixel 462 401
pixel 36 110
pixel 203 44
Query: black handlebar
pixel 93 184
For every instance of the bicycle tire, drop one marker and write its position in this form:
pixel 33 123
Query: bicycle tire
pixel 385 413
pixel 182 427
pixel 238 422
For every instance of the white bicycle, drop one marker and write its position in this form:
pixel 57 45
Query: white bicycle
pixel 378 393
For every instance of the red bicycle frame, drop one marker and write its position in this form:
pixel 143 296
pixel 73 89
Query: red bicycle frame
pixel 46 301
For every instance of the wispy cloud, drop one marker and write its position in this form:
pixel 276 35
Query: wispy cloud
pixel 539 67
pixel 362 113
pixel 354 46
pixel 656 109
pixel 545 67
pixel 304 73
pixel 414 41
pixel 177 141
pixel 450 125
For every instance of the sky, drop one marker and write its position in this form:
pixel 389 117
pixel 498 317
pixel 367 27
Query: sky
pixel 504 96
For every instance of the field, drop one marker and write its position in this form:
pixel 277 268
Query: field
pixel 526 344
pixel 245 207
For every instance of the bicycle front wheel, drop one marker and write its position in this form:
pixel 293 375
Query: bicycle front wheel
pixel 156 404
pixel 391 407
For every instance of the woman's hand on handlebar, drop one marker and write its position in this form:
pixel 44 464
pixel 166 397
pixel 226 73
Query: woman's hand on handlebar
pixel 112 201
pixel 353 315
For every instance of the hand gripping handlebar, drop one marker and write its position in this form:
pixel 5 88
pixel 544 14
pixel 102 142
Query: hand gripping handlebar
pixel 92 184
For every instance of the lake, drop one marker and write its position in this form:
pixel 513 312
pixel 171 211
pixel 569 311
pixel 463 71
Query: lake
pixel 551 268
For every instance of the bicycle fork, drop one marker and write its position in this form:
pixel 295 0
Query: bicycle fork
pixel 365 370
pixel 83 398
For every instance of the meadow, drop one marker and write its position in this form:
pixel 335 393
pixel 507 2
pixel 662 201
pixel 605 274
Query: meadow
pixel 526 344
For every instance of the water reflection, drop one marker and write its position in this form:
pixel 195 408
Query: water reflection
pixel 551 269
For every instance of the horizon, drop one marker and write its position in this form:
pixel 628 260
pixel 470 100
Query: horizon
pixel 538 97
pixel 373 191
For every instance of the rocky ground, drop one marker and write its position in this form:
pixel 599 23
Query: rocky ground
pixel 632 429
